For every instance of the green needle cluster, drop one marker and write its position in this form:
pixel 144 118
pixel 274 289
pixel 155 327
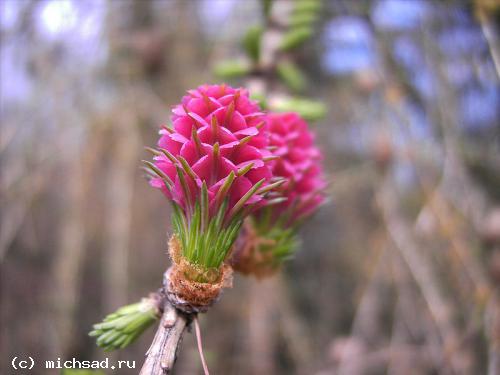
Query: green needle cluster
pixel 125 325
pixel 285 240
pixel 205 241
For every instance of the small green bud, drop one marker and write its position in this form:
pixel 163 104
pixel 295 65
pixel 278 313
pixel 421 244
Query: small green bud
pixel 295 37
pixel 251 42
pixel 231 69
pixel 260 98
pixel 291 76
pixel 302 6
pixel 309 109
pixel 122 327
pixel 266 7
pixel 302 19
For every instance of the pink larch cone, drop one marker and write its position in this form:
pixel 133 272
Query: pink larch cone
pixel 269 237
pixel 215 137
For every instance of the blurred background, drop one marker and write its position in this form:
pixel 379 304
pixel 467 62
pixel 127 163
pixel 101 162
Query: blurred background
pixel 397 274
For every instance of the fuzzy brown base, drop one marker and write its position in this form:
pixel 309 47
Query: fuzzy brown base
pixel 250 256
pixel 191 288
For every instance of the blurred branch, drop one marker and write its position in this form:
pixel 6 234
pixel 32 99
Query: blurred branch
pixel 492 329
pixel 119 190
pixel 364 320
pixel 262 327
pixel 366 362
pixel 16 201
pixel 293 329
pixel 401 234
pixel 67 265
pixel 487 12
pixel 407 312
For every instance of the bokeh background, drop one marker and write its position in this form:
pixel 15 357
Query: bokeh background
pixel 397 274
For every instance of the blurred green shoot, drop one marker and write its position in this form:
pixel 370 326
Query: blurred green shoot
pixel 310 110
pixel 295 37
pixel 291 76
pixel 231 69
pixel 260 98
pixel 307 6
pixel 251 42
pixel 266 7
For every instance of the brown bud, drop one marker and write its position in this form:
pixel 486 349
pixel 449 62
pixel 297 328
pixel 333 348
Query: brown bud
pixel 494 266
pixel 490 230
pixel 382 151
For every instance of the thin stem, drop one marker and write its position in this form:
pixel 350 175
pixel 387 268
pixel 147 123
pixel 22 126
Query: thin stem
pixel 200 346
pixel 161 356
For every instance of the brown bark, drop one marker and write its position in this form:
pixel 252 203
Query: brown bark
pixel 162 353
